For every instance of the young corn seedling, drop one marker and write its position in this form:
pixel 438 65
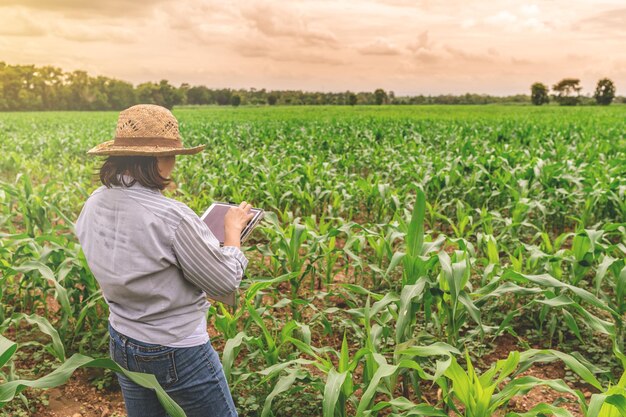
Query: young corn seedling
pixel 418 259
pixel 482 395
pixel 567 299
pixel 585 248
pixel 31 203
pixel 383 245
pixel 609 402
pixel 295 253
pixel 325 234
pixel 454 304
pixel 464 226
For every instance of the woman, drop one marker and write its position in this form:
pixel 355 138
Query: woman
pixel 156 262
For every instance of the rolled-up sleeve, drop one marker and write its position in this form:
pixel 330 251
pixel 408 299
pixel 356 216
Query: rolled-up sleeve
pixel 215 270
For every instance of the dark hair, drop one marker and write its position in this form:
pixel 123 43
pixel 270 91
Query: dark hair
pixel 143 169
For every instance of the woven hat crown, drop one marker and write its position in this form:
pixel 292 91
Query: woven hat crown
pixel 147 120
pixel 145 130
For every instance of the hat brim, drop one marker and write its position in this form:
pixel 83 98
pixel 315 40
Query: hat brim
pixel 109 148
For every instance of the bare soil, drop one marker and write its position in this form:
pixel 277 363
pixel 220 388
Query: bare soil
pixel 79 398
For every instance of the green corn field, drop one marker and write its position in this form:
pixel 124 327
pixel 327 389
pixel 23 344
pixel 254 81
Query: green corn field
pixel 413 261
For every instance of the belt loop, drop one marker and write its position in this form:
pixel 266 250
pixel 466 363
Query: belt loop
pixel 123 338
pixel 119 335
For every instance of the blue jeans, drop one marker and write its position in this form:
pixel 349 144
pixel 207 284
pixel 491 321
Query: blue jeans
pixel 192 376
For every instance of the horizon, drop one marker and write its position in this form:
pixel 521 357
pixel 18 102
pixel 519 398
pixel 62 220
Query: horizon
pixel 486 48
pixel 304 91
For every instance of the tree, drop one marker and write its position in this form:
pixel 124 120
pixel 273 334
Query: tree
pixel 80 96
pixel 121 94
pixel 27 87
pixel 147 93
pixel 223 96
pixel 171 95
pixel 182 92
pixel 539 94
pixel 51 85
pixel 568 91
pixel 380 96
pixel 198 95
pixel 98 89
pixel 351 98
pixel 605 92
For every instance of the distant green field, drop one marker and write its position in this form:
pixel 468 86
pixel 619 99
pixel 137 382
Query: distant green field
pixel 415 232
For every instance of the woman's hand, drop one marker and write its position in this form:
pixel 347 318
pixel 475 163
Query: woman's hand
pixel 235 221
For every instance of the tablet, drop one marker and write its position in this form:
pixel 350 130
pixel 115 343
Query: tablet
pixel 214 218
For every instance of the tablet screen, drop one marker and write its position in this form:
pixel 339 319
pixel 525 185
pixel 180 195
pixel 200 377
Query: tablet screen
pixel 214 218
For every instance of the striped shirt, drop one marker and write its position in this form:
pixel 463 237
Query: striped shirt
pixel 155 261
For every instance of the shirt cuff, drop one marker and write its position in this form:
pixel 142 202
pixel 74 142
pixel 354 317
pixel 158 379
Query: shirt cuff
pixel 236 253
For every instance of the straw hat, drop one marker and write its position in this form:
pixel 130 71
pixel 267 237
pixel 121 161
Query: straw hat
pixel 145 129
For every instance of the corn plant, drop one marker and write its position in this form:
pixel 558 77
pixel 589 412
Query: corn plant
pixel 585 248
pixel 325 232
pixel 557 296
pixel 611 402
pixel 385 258
pixel 481 395
pixel 613 271
pixel 289 243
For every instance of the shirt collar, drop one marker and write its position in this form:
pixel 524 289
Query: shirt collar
pixel 137 185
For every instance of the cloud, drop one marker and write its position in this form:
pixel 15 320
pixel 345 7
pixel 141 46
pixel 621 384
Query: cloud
pixel 607 21
pixel 422 43
pixel 19 23
pixel 467 56
pixel 521 61
pixel 427 58
pixel 307 58
pixel 468 23
pixel 84 33
pixel 529 21
pixel 535 24
pixel 207 21
pixel 530 9
pixel 252 49
pixel 577 57
pixel 405 3
pixel 502 18
pixel 426 53
pixel 379 47
pixel 280 22
pixel 111 8
pixel 272 50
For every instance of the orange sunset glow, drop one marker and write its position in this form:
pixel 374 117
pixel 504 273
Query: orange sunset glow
pixel 410 47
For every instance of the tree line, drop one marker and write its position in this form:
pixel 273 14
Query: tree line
pixel 567 93
pixel 28 87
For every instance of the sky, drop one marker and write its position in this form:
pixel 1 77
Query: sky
pixel 414 47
